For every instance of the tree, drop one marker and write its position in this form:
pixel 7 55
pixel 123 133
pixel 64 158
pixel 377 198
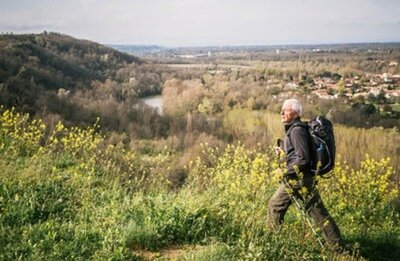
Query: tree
pixel 341 87
pixel 368 109
pixel 336 77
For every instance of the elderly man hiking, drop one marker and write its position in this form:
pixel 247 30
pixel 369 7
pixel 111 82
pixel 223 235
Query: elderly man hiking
pixel 298 181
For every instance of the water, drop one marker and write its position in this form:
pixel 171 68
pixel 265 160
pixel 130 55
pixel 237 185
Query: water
pixel 155 101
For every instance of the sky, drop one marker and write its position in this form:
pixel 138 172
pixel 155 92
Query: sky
pixel 176 23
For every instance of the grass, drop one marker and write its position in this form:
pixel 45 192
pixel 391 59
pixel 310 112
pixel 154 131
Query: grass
pixel 395 107
pixel 71 200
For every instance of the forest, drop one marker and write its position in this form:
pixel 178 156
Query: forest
pixel 91 171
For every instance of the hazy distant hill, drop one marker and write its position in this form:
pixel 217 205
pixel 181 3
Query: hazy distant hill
pixel 31 64
pixel 138 49
pixel 333 48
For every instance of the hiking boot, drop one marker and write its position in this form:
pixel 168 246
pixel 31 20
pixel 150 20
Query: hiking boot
pixel 343 249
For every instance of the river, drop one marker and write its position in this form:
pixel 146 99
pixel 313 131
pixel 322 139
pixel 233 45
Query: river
pixel 155 101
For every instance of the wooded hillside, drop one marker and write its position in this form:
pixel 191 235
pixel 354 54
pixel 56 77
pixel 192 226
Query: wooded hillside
pixel 39 64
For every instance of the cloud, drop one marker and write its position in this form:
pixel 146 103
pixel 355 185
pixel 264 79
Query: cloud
pixel 206 22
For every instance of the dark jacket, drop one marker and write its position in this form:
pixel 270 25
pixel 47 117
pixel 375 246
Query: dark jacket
pixel 297 149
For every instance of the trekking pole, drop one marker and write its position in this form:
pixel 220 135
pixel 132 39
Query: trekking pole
pixel 303 212
pixel 296 200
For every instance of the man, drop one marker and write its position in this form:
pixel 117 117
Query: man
pixel 300 181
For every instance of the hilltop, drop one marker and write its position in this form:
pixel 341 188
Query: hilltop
pixel 32 65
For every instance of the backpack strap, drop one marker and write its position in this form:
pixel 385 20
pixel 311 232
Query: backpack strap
pixel 309 141
pixel 301 124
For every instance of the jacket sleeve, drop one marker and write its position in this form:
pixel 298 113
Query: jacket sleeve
pixel 301 161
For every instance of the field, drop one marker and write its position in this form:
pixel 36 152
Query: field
pixel 396 107
pixel 67 195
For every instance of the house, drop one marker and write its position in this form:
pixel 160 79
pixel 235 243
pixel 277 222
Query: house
pixel 291 85
pixel 392 93
pixel 375 91
pixel 323 94
pixel 387 78
pixel 328 80
pixel 396 78
pixel 319 82
pixel 63 93
pixel 361 94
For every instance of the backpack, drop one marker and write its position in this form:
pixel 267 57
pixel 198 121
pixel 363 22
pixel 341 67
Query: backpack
pixel 322 145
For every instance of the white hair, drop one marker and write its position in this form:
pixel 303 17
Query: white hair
pixel 295 105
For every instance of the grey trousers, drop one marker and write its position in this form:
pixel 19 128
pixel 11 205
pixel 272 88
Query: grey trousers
pixel 280 202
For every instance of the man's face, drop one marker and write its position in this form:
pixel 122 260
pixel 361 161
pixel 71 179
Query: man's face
pixel 287 114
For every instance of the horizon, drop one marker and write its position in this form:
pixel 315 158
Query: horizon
pixel 204 46
pixel 196 23
pixel 254 45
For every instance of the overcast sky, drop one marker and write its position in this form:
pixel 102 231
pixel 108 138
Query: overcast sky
pixel 207 22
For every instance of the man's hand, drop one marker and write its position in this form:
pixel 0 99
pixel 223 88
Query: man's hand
pixel 279 152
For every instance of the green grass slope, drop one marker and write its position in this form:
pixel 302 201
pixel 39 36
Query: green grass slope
pixel 66 195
